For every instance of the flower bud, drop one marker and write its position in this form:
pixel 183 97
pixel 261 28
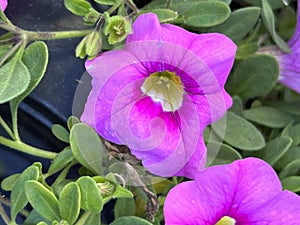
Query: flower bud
pixel 118 28
pixel 90 45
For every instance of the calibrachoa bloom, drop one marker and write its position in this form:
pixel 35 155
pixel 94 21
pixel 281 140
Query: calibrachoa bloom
pixel 245 192
pixel 159 93
pixel 289 63
pixel 3 4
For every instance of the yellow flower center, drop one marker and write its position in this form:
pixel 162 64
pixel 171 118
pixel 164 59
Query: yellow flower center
pixel 226 220
pixel 166 88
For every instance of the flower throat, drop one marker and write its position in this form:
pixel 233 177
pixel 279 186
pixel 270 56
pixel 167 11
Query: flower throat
pixel 166 88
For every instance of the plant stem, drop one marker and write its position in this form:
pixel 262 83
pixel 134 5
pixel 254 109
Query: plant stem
pixel 131 5
pixel 22 147
pixel 7 128
pixel 10 52
pixel 4 215
pixel 113 8
pixel 169 4
pixel 83 218
pixel 47 35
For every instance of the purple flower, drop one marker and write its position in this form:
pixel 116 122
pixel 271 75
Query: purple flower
pixel 245 192
pixel 159 93
pixel 3 4
pixel 289 63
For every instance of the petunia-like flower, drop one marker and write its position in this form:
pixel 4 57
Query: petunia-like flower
pixel 245 192
pixel 289 63
pixel 3 4
pixel 159 93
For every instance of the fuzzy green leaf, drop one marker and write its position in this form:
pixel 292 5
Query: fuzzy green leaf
pixel 130 220
pixel 206 14
pixel 91 199
pixel 61 160
pixel 268 116
pixel 87 147
pixel 164 15
pixel 60 132
pixel 269 21
pixel 42 200
pixel 18 197
pixel 78 7
pixel 291 169
pixel 239 132
pixel 291 183
pixel 254 77
pixel 239 24
pixel 69 202
pixel 8 183
pixel 124 207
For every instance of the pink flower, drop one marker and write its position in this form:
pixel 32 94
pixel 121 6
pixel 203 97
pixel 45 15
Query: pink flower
pixel 159 93
pixel 3 4
pixel 245 192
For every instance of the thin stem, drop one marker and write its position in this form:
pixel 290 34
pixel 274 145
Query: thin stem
pixel 22 147
pixel 169 4
pixel 4 215
pixel 10 52
pixel 132 5
pixel 47 35
pixel 83 218
pixel 7 128
pixel 113 8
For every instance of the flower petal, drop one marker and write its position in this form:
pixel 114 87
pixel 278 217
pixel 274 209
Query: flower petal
pixel 3 4
pixel 234 190
pixel 111 71
pixel 284 208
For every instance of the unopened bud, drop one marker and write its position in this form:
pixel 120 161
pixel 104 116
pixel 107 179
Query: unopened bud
pixel 118 27
pixel 90 45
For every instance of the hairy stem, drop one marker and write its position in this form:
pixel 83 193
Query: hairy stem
pixel 47 35
pixel 7 128
pixel 22 147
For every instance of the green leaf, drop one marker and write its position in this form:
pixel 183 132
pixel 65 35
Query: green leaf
pixel 291 154
pixel 107 2
pixel 239 132
pixel 246 50
pixel 288 107
pixel 239 24
pixel 274 150
pixel 269 21
pixel 34 218
pixel 18 197
pixel 72 120
pixel 61 160
pixel 60 132
pixel 254 77
pixel 87 147
pixel 275 4
pixel 42 200
pixel 14 78
pixel 206 14
pixel 291 183
pixel 287 21
pixel 124 207
pixel 292 132
pixel 8 183
pixel 69 202
pixel 164 15
pixel 268 116
pixel 78 7
pixel 219 153
pixel 91 199
pixel 130 220
pixel 93 219
pixel 291 169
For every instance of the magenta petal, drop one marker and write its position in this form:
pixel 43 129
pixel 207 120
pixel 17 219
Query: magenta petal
pixel 3 4
pixel 111 72
pixel 284 208
pixel 236 190
pixel 145 22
